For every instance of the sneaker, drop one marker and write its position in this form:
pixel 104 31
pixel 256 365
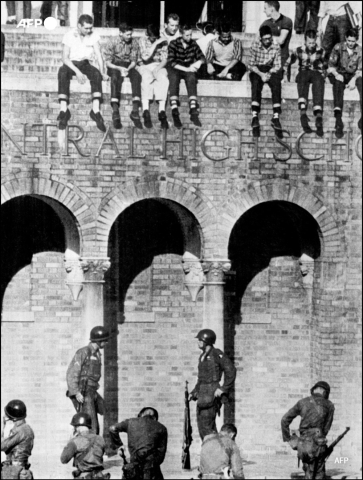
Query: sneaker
pixel 275 122
pixel 304 119
pixel 339 127
pixel 176 118
pixel 319 126
pixel 97 117
pixel 135 117
pixel 116 119
pixel 194 117
pixel 63 119
pixel 163 120
pixel 147 119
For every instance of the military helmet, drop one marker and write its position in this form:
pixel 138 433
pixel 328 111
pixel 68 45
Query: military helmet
pixel 207 336
pixel 15 410
pixel 155 413
pixel 99 334
pixel 323 385
pixel 81 420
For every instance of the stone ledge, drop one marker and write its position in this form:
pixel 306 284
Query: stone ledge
pixel 49 84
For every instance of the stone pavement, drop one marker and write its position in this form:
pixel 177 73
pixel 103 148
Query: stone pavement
pixel 255 467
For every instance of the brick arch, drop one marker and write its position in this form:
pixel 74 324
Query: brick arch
pixel 180 192
pixel 248 196
pixel 66 194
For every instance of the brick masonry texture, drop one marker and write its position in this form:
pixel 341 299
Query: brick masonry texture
pixel 284 337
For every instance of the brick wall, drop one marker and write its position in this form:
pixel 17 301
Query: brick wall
pixel 307 339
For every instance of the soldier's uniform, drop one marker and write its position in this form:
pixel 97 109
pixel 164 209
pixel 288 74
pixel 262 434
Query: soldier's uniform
pixel 147 443
pixel 210 369
pixel 87 450
pixel 18 445
pixel 317 415
pixel 83 375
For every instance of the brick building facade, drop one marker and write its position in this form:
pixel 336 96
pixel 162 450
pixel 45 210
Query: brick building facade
pixel 156 240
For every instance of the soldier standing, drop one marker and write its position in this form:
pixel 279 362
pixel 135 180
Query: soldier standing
pixel 83 375
pixel 18 445
pixel 86 448
pixel 208 392
pixel 317 413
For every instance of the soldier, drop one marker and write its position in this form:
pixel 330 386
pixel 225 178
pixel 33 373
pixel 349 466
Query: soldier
pixel 147 442
pixel 208 392
pixel 18 445
pixel 86 448
pixel 83 375
pixel 220 454
pixel 317 414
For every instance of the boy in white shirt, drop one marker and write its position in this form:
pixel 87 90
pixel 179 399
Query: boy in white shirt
pixel 79 47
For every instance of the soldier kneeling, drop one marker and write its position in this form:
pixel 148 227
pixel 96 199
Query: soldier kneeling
pixel 86 448
pixel 19 443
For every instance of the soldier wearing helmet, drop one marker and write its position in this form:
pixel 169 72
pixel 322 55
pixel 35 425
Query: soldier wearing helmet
pixel 147 444
pixel 18 445
pixel 317 413
pixel 208 392
pixel 83 375
pixel 86 448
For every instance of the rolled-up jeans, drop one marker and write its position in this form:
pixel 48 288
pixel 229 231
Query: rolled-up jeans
pixel 153 87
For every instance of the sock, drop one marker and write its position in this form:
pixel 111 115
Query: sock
pixel 254 113
pixel 63 105
pixel 96 105
pixel 115 106
pixel 303 111
pixel 276 115
pixel 193 104
pixel 174 104
pixel 145 104
pixel 135 105
pixel 162 105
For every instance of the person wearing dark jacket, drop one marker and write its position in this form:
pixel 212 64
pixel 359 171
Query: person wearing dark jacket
pixel 317 413
pixel 86 448
pixel 18 445
pixel 147 443
pixel 83 375
pixel 345 71
pixel 208 392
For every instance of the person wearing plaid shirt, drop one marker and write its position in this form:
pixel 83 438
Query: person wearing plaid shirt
pixel 184 60
pixel 312 71
pixel 151 66
pixel 224 56
pixel 121 55
pixel 265 67
pixel 345 70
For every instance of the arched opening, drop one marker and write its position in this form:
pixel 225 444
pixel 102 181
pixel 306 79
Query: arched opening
pixel 39 318
pixel 268 324
pixel 145 293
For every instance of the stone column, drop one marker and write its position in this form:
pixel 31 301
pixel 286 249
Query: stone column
pixel 93 271
pixel 213 311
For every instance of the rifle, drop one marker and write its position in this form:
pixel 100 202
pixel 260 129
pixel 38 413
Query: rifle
pixel 82 389
pixel 329 451
pixel 187 434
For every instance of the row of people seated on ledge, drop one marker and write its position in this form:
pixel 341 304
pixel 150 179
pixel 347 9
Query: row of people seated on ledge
pixel 157 62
